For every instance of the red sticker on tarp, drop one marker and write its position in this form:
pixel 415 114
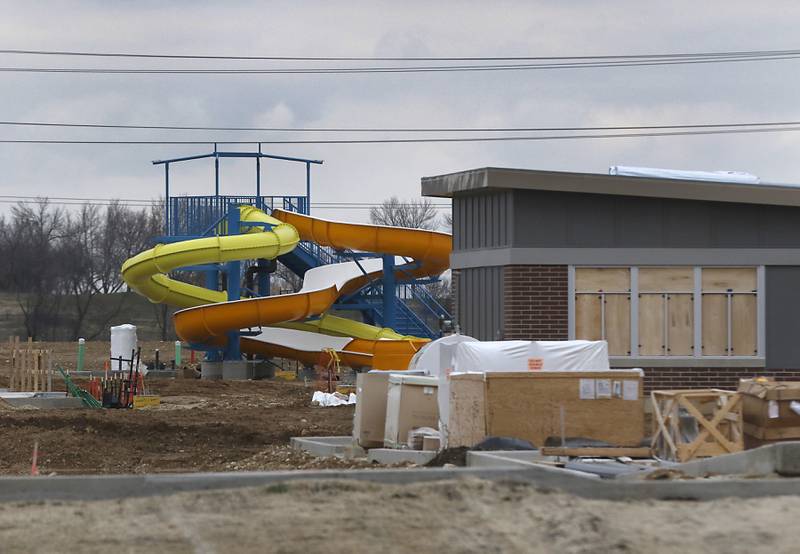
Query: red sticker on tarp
pixel 535 364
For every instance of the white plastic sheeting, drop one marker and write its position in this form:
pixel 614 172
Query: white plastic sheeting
pixel 523 355
pixel 123 342
pixel 329 399
pixel 720 176
pixel 436 357
pixel 436 360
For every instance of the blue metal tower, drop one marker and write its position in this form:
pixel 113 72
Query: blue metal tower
pixel 403 304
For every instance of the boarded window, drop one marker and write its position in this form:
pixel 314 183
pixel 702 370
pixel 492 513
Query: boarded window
pixel 666 311
pixel 667 298
pixel 730 314
pixel 603 307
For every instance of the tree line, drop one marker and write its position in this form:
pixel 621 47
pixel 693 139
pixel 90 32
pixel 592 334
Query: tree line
pixel 59 262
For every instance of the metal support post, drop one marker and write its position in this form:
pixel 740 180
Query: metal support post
pixel 259 203
pixel 389 288
pixel 233 271
pixel 263 278
pixel 308 188
pixel 216 171
pixel 166 199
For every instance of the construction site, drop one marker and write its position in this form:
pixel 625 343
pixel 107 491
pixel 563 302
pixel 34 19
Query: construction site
pixel 401 277
pixel 361 384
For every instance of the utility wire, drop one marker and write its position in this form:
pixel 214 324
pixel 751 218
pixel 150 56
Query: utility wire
pixel 388 69
pixel 740 53
pixel 395 129
pixel 412 140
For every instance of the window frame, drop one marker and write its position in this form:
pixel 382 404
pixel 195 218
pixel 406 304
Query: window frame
pixel 697 358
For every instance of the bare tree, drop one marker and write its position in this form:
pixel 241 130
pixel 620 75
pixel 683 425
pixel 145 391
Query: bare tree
pixel 31 247
pixel 413 214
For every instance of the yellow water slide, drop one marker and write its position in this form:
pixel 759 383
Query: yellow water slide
pixel 208 316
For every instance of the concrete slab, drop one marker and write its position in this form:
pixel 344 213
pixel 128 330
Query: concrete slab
pixel 233 370
pixel 61 403
pixel 781 458
pixel 161 374
pixel 325 447
pixel 210 370
pixel 391 456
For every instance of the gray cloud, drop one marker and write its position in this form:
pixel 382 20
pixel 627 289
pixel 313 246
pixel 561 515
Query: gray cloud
pixel 673 94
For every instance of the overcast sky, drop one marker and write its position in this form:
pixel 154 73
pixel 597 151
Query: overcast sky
pixel 760 91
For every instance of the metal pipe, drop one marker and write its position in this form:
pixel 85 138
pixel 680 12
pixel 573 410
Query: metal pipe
pixel 81 353
pixel 166 199
pixel 308 188
pixel 216 171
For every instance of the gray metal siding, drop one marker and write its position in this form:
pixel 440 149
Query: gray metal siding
pixel 480 302
pixel 482 220
pixel 782 313
pixel 547 219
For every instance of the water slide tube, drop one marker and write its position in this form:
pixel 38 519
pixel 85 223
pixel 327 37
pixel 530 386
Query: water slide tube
pixel 207 315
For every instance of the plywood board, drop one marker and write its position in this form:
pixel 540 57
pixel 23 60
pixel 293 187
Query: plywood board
pixel 618 324
pixel 528 406
pixel 607 279
pixel 466 424
pixel 651 325
pixel 715 324
pixel 721 279
pixel 666 279
pixel 680 325
pixel 744 317
pixel 587 317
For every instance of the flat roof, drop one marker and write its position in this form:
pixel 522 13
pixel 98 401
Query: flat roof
pixel 498 178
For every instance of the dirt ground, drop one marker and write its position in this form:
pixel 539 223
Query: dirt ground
pixel 201 426
pixel 455 516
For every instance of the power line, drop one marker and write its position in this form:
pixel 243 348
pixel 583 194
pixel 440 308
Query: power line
pixel 74 53
pixel 409 140
pixel 389 69
pixel 395 129
pixel 140 202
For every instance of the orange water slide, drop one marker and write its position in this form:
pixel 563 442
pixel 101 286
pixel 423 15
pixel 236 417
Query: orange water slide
pixel 427 252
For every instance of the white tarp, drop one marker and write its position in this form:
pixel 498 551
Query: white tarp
pixel 720 176
pixel 436 360
pixel 328 399
pixel 523 355
pixel 436 357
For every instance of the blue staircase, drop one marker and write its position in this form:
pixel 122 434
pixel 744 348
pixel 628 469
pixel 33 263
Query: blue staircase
pixel 417 313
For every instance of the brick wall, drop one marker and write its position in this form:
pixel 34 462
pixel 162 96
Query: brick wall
pixel 709 377
pixel 535 298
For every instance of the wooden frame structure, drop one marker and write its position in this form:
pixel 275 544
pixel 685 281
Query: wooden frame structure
pixel 31 368
pixel 689 424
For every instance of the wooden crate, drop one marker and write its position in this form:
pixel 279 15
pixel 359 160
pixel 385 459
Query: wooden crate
pixel 689 424
pixel 767 411
pixel 529 406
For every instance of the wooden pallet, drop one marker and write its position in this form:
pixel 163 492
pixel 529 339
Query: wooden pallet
pixel 716 414
pixel 31 368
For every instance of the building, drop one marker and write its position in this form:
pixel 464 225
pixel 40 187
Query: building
pixel 697 282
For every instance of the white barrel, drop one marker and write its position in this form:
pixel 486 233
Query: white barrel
pixel 123 343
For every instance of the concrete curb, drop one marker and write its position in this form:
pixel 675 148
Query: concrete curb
pixel 30 489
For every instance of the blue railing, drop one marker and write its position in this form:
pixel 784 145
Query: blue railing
pixel 192 215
